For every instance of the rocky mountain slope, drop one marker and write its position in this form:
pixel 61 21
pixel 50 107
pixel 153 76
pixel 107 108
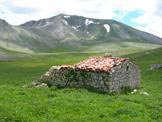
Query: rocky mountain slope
pixel 71 33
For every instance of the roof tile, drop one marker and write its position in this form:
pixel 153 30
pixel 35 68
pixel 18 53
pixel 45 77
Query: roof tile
pixel 100 64
pixel 96 64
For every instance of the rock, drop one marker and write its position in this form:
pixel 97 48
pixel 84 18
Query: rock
pixel 42 85
pixel 36 85
pixel 144 93
pixel 155 66
pixel 134 91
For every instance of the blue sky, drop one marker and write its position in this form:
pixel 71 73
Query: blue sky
pixel 129 17
pixel 145 15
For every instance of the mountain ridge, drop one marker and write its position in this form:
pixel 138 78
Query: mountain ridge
pixel 64 16
pixel 70 33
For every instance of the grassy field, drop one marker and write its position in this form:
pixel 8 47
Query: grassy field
pixel 18 104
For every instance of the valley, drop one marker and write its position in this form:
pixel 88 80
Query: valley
pixel 47 104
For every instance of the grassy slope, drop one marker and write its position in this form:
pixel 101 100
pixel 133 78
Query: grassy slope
pixel 19 104
pixel 114 48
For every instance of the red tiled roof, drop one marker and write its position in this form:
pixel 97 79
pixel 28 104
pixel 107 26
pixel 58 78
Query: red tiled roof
pixel 101 64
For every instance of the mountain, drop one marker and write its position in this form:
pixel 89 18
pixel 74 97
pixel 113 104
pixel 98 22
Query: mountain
pixel 72 33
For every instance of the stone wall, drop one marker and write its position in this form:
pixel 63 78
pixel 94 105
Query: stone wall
pixel 123 76
pixel 70 77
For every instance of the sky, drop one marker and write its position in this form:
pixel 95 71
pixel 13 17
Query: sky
pixel 145 15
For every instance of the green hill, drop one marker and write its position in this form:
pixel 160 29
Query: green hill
pixel 18 104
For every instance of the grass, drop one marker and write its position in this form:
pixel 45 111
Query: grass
pixel 18 104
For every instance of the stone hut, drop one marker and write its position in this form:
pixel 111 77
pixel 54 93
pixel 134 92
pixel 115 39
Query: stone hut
pixel 104 74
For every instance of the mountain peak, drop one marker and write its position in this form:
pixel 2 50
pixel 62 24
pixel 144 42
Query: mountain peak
pixel 43 22
pixel 2 21
pixel 62 25
pixel 73 32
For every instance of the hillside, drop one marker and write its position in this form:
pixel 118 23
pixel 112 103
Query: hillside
pixel 66 33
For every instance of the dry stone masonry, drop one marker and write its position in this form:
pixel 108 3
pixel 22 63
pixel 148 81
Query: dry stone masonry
pixel 104 74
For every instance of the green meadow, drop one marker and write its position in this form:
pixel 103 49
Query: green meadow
pixel 18 104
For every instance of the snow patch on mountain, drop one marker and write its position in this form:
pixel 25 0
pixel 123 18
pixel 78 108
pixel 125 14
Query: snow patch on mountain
pixel 88 22
pixel 66 16
pixel 87 32
pixel 65 22
pixel 107 27
pixel 76 28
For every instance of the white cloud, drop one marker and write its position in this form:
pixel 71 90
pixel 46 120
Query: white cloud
pixel 150 20
pixel 47 8
pixel 150 23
